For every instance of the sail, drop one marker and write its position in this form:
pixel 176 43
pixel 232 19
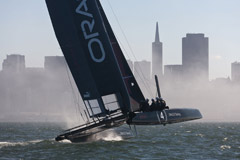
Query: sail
pixel 87 49
pixel 134 91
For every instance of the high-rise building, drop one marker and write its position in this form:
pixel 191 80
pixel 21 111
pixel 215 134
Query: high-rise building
pixel 142 70
pixel 157 57
pixel 14 63
pixel 173 73
pixel 55 63
pixel 235 69
pixel 195 57
pixel 142 73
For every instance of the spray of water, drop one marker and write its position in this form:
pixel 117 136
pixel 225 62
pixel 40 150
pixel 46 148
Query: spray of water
pixel 65 141
pixel 109 135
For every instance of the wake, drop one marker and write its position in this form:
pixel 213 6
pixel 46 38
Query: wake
pixel 13 144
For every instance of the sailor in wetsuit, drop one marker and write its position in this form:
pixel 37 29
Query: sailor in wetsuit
pixel 161 104
pixel 153 106
pixel 144 106
pixel 157 105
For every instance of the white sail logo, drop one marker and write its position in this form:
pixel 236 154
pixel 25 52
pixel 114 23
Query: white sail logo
pixel 92 36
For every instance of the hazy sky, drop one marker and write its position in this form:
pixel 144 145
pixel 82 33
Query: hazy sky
pixel 25 28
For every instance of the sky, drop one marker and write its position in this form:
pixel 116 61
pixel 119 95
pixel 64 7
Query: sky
pixel 25 28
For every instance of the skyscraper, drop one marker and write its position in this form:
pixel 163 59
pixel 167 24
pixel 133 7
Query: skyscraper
pixel 55 63
pixel 195 57
pixel 157 62
pixel 173 73
pixel 142 73
pixel 14 63
pixel 235 69
pixel 142 70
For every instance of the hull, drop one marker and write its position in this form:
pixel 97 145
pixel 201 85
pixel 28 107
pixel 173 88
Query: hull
pixel 166 116
pixel 87 133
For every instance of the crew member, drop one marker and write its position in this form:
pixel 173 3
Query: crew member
pixel 153 105
pixel 161 104
pixel 144 106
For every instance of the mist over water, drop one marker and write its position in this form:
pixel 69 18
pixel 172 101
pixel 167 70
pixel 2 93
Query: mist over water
pixel 50 95
pixel 40 95
pixel 217 100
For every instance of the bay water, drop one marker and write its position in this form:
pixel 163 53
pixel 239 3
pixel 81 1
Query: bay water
pixel 183 141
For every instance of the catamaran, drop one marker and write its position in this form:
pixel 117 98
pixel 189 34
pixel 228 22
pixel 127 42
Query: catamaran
pixel 108 88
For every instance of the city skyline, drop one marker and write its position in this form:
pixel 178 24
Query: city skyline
pixel 27 30
pixel 142 70
pixel 32 89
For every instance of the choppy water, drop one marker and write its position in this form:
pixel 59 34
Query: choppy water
pixel 177 141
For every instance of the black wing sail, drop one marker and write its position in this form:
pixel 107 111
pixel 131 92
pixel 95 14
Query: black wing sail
pixel 89 55
pixel 134 91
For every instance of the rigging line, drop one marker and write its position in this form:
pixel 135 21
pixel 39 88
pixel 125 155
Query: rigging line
pixel 77 107
pixel 147 87
pixel 79 98
pixel 73 93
